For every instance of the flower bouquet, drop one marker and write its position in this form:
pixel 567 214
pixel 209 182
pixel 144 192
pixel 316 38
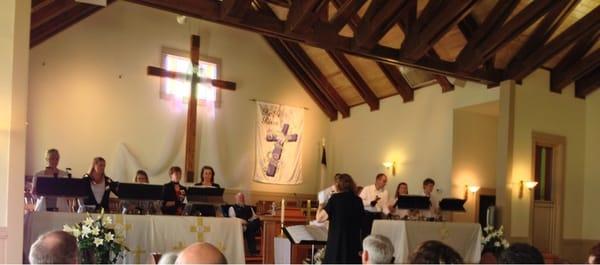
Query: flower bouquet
pixel 97 240
pixel 493 240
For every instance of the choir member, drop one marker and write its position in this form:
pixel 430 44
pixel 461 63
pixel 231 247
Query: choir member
pixel 173 194
pixel 100 186
pixel 396 213
pixel 51 170
pixel 250 221
pixel 375 201
pixel 344 234
pixel 141 177
pixel 207 178
pixel 432 213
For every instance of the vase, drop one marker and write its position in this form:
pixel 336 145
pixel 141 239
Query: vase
pixel 91 256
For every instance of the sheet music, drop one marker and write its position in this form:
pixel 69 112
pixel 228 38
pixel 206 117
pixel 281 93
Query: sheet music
pixel 301 233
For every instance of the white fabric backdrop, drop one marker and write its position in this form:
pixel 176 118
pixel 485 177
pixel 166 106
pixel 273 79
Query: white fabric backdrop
pixel 271 118
pixel 145 234
pixel 406 236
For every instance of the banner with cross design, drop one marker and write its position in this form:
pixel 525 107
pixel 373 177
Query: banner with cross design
pixel 279 144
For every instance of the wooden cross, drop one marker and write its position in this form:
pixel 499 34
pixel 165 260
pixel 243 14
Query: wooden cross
pixel 190 138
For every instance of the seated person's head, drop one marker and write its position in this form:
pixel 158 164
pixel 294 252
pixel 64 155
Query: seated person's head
pixel 594 257
pixel 141 177
pixel 435 252
pixel 521 253
pixel 201 253
pixel 240 198
pixel 168 258
pixel 377 249
pixel 55 247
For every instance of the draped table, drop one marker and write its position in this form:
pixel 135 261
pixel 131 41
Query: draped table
pixel 406 236
pixel 145 234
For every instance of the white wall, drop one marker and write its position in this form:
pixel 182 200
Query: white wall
pixel 90 96
pixel 591 183
pixel 539 110
pixel 417 135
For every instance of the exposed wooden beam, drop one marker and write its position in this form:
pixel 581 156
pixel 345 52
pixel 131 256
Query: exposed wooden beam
pixel 493 34
pixel 235 9
pixel 444 83
pixel 51 10
pixel 545 29
pixel 272 26
pixel 309 86
pixel 354 77
pixel 398 81
pixel 304 13
pixel 315 74
pixel 282 3
pixel 575 54
pixel 437 18
pixel 380 17
pixel 345 13
pixel 558 80
pixel 468 26
pixel 409 16
pixel 587 84
pixel 583 28
pixel 61 22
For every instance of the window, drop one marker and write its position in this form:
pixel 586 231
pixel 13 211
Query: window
pixel 543 173
pixel 178 89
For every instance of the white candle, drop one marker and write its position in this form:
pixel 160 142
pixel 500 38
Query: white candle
pixel 282 210
pixel 308 208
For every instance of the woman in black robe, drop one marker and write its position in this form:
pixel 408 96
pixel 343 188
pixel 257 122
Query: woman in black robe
pixel 344 211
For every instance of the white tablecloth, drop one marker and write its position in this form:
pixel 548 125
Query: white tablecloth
pixel 145 234
pixel 406 236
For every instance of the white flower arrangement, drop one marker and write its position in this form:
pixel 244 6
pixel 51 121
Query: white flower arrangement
pixel 97 240
pixel 493 239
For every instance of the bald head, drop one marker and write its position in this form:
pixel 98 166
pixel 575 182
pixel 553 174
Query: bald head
pixel 55 247
pixel 198 253
pixel 240 198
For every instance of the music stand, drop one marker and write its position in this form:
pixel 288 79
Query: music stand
pixel 205 195
pixel 413 202
pixel 452 205
pixel 61 187
pixel 140 192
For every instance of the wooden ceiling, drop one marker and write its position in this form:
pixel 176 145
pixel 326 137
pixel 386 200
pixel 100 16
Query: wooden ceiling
pixel 351 52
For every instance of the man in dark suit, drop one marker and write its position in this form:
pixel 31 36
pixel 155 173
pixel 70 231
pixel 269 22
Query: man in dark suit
pixel 250 221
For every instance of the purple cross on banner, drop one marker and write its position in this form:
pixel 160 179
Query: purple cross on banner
pixel 279 141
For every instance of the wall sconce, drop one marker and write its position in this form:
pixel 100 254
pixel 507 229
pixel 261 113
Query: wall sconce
pixel 391 165
pixel 529 184
pixel 471 188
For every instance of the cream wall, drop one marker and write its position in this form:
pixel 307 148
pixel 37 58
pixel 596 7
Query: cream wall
pixel 474 153
pixel 14 52
pixel 417 135
pixel 591 181
pixel 91 97
pixel 538 110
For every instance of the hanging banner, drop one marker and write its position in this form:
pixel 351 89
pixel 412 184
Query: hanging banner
pixel 278 144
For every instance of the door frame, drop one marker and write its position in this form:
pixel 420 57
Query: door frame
pixel 559 146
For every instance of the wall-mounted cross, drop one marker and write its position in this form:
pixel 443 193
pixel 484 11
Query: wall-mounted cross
pixel 190 138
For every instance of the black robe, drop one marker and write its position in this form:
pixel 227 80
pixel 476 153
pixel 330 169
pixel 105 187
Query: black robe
pixel 345 212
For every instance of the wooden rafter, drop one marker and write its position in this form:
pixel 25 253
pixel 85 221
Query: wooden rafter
pixel 272 26
pixel 437 18
pixel 304 13
pixel 584 66
pixel 409 15
pixel 235 9
pixel 558 80
pixel 354 77
pixel 303 77
pixel 444 83
pixel 51 10
pixel 398 81
pixel 313 71
pixel 544 30
pixel 346 11
pixel 493 34
pixel 588 83
pixel 583 28
pixel 380 17
pixel 62 21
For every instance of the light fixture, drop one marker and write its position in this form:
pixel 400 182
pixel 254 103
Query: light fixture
pixel 470 188
pixel 392 165
pixel 529 184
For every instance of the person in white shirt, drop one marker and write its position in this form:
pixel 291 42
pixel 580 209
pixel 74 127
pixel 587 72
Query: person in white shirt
pixel 51 204
pixel 432 213
pixel 402 189
pixel 375 201
pixel 250 221
pixel 323 197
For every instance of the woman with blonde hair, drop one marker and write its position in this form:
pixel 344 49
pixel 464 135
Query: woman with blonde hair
pixel 100 186
pixel 51 204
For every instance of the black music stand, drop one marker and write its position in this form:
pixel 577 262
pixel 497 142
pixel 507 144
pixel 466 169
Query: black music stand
pixel 452 205
pixel 203 200
pixel 140 192
pixel 413 202
pixel 61 187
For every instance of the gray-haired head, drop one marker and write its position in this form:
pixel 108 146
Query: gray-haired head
pixel 54 247
pixel 377 249
pixel 168 258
